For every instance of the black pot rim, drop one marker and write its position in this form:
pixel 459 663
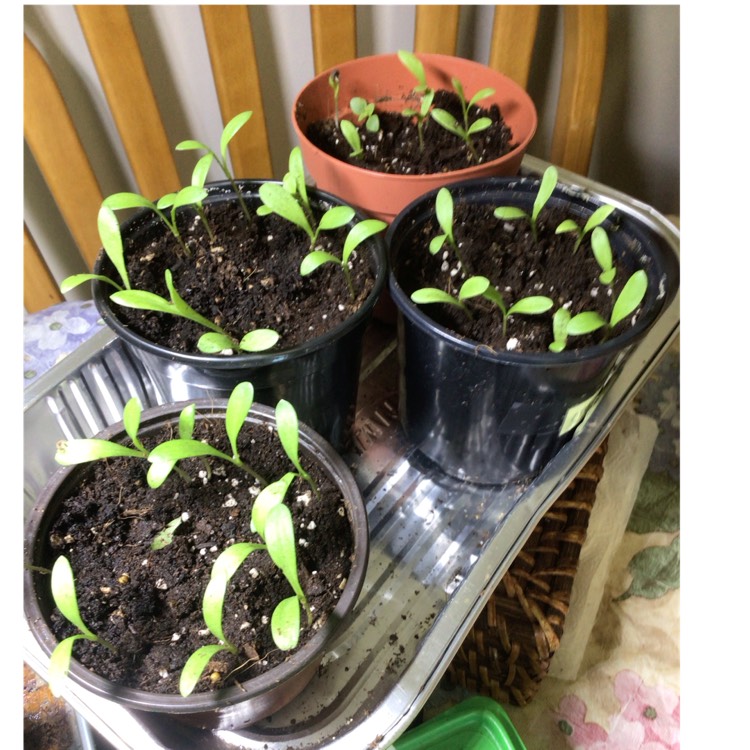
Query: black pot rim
pixel 247 360
pixel 311 652
pixel 491 186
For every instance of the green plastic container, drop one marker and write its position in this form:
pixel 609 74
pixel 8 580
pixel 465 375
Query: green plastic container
pixel 476 723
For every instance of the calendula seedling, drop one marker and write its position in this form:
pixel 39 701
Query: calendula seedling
pixel 164 457
pixel 357 235
pixel 444 214
pixel 66 600
pixel 480 286
pixel 287 426
pixel 603 253
pixel 111 238
pixel 334 83
pixel 560 321
pixel 546 188
pixel 166 536
pixel 627 301
pixel 230 130
pixel 218 340
pixel 365 111
pixel 198 179
pixel 594 220
pixel 272 520
pixel 350 132
pixel 414 65
pixel 466 129
pixel 421 115
pixel 82 450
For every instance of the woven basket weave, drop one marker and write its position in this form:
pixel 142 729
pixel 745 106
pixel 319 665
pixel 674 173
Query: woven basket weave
pixel 507 654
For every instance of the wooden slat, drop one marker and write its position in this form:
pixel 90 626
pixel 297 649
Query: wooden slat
pixel 514 29
pixel 57 149
pixel 229 37
pixel 584 58
pixel 114 48
pixel 40 290
pixel 334 35
pixel 436 29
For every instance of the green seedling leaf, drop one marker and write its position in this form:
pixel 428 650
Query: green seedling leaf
pixel 231 129
pixel 269 497
pixel 186 422
pixel 195 666
pixel 350 132
pixel 336 217
pixel 414 65
pixel 474 286
pixel 287 425
pixel 603 253
pixel 429 295
pixel 111 238
pixel 479 125
pixel 131 419
pixel 238 407
pixel 259 340
pixel 63 587
pixel 448 121
pixel 630 297
pixel 534 305
pixel 285 624
pixel 444 211
pixel 200 170
pixel 59 664
pixel 359 233
pixel 312 261
pixel 481 94
pixel 166 536
pixel 79 451
pixel 165 456
pixel 546 188
pixel 560 321
pixel 510 212
pixel 281 202
pixel 585 322
pixel 215 343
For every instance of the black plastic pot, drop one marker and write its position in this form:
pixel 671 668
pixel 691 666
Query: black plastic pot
pixel 229 708
pixel 319 377
pixel 495 417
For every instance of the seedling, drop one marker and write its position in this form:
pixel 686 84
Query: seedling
pixel 287 426
pixel 480 286
pixel 421 115
pixel 109 234
pixel 350 132
pixel 166 536
pixel 444 214
pixel 230 130
pixel 198 179
pixel 628 300
pixel 66 600
pixel 334 83
pixel 560 321
pixel 82 450
pixel 357 235
pixel 365 111
pixel 217 340
pixel 546 188
pixel 416 68
pixel 466 129
pixel 603 254
pixel 414 65
pixel 594 220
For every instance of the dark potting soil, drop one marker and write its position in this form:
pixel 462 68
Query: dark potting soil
pixel 517 266
pixel 147 603
pixel 247 278
pixel 396 148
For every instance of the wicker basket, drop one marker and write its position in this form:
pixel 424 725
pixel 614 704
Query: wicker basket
pixel 507 654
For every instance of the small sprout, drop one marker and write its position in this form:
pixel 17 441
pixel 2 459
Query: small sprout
pixel 603 254
pixel 414 65
pixel 230 130
pixel 334 83
pixel 466 129
pixel 421 115
pixel 546 188
pixel 109 234
pixel 357 235
pixel 287 426
pixel 166 536
pixel 560 321
pixel 350 132
pixel 365 111
pixel 65 598
pixel 444 214
pixel 594 220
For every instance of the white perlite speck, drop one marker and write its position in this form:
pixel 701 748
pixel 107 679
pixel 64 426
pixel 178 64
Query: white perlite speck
pixel 161 584
pixel 511 344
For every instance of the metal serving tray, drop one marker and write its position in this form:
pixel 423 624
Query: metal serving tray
pixel 439 547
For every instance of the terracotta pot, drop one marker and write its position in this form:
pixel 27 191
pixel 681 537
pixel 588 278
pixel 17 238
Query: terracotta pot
pixel 493 417
pixel 320 377
pixel 228 708
pixel 384 79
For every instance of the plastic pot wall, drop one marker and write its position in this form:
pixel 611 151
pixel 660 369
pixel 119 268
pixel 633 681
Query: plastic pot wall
pixel 320 378
pixel 495 417
pixel 385 80
pixel 233 707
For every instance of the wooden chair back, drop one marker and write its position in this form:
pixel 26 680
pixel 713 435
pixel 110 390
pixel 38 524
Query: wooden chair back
pixel 58 150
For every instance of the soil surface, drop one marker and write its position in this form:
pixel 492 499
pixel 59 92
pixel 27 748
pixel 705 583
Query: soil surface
pixel 247 278
pixel 517 266
pixel 396 148
pixel 147 603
